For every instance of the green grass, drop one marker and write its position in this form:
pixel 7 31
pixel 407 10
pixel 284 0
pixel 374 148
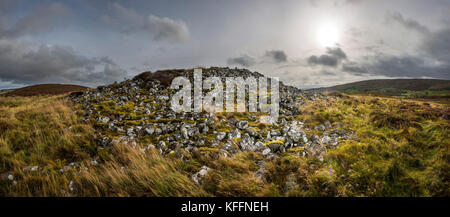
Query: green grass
pixel 401 148
pixel 45 132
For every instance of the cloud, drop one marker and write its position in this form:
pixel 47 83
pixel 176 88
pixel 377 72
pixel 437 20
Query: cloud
pixel 269 57
pixel 407 23
pixel 8 5
pixel 127 20
pixel 22 63
pixel 337 52
pixel 244 60
pixel 404 66
pixel 336 3
pixel 326 72
pixel 354 68
pixel 275 56
pixel 165 28
pixel 325 60
pixel 353 1
pixel 437 45
pixel 41 20
pixel 332 57
pixel 433 60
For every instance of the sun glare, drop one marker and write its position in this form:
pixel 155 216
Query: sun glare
pixel 327 35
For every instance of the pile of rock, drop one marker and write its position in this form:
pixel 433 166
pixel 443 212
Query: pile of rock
pixel 137 112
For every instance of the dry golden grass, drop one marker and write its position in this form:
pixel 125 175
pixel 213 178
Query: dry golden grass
pixel 401 149
pixel 131 172
pixel 45 132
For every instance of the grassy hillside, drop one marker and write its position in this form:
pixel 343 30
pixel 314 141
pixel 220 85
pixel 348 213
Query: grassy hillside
pixel 404 88
pixel 44 89
pixel 5 91
pixel 46 151
pixel 402 149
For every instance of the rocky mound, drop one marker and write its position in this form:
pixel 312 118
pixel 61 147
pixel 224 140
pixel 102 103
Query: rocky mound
pixel 137 112
pixel 45 89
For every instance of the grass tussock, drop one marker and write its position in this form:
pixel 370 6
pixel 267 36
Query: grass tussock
pixel 133 173
pixel 402 149
pixel 45 132
pixel 399 148
pixel 235 177
pixel 41 131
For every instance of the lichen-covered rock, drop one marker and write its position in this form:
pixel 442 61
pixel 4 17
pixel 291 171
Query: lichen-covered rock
pixel 242 125
pixel 138 112
pixel 198 177
pixel 327 140
pixel 221 136
pixel 234 134
pixel 265 151
pixel 246 143
pixel 229 148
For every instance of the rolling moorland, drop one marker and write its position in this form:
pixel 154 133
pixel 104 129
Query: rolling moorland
pixel 43 89
pixel 418 89
pixel 123 140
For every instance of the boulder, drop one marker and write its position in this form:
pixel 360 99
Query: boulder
pixel 234 134
pixel 220 136
pixel 246 143
pixel 200 175
pixel 242 125
pixel 320 127
pixel 229 148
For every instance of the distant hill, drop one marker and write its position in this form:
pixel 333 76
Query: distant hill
pixel 407 88
pixel 45 89
pixel 2 91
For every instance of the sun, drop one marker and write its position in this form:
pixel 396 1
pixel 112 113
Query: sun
pixel 327 35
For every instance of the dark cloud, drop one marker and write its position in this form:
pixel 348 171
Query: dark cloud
pixel 244 60
pixel 22 64
pixel 405 22
pixel 433 61
pixel 161 28
pixel 41 20
pixel 270 56
pixel 405 66
pixel 325 60
pixel 437 45
pixel 276 56
pixel 354 68
pixel 327 73
pixel 332 57
pixel 337 52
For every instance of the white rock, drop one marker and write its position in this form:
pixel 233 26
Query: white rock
pixel 94 162
pixel 31 168
pixel 197 177
pixel 266 151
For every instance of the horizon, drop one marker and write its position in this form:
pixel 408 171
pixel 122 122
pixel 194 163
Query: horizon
pixel 307 44
pixel 308 88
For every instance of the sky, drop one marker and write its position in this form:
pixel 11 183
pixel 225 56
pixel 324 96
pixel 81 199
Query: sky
pixel 310 43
